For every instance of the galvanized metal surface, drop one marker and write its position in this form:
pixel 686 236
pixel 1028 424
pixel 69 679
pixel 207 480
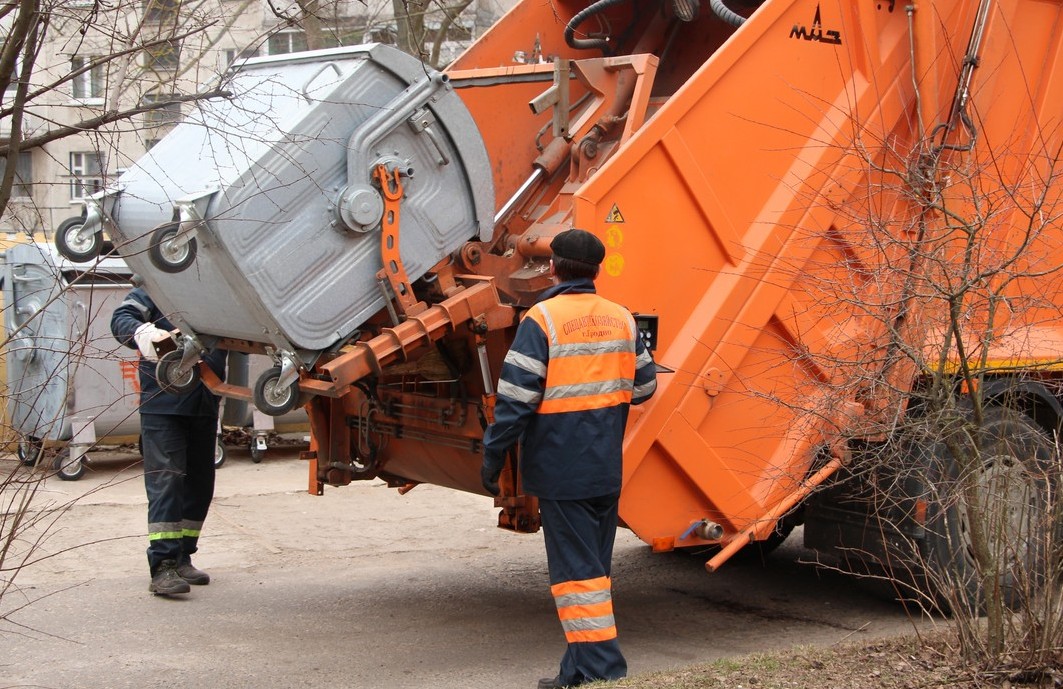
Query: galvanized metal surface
pixel 62 361
pixel 270 171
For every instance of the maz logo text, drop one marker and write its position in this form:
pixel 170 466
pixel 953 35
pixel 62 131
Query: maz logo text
pixel 816 33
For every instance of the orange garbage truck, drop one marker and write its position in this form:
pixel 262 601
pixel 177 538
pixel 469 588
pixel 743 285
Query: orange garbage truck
pixel 794 195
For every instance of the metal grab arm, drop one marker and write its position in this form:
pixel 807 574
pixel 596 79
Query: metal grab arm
pixel 393 270
pixel 773 515
pixel 480 299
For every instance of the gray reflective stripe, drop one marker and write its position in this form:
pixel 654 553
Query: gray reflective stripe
pixel 643 359
pixel 518 393
pixel 584 389
pixel 144 311
pixel 191 528
pixel 529 364
pixel 645 389
pixel 587 624
pixel 585 598
pixel 591 348
pixel 551 331
pixel 164 527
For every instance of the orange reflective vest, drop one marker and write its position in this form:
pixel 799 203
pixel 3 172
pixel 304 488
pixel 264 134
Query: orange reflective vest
pixel 591 350
pixel 575 366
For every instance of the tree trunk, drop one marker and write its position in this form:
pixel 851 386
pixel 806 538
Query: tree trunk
pixel 409 17
pixel 28 25
pixel 311 23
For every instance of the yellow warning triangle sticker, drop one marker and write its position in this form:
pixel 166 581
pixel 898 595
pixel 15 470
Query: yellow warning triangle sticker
pixel 614 215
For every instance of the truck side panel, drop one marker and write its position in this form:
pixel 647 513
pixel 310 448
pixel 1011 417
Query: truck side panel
pixel 736 201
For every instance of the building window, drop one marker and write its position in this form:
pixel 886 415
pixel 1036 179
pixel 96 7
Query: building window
pixel 161 10
pixel 235 57
pixel 289 41
pixel 165 56
pixel 87 84
pixel 86 174
pixel 167 114
pixel 22 186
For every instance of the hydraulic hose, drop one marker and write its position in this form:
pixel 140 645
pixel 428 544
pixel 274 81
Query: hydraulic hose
pixel 726 13
pixel 588 43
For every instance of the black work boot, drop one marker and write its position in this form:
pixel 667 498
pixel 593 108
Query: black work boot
pixel 187 571
pixel 166 582
pixel 551 683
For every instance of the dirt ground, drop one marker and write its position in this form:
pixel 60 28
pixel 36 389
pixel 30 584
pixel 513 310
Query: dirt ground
pixel 906 662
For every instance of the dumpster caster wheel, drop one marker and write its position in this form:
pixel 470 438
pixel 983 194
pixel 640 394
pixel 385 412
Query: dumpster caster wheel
pixel 69 469
pixel 257 454
pixel 219 454
pixel 167 252
pixel 271 399
pixel 170 378
pixel 73 246
pixel 29 450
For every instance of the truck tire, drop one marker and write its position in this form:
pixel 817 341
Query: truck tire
pixel 758 550
pixel 1014 482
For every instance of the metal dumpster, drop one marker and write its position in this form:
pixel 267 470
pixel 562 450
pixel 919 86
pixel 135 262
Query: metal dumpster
pixel 259 217
pixel 68 379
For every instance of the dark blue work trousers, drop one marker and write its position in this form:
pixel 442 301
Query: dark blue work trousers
pixel 579 538
pixel 179 479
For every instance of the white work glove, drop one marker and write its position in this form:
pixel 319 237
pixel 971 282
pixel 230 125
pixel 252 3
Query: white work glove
pixel 146 336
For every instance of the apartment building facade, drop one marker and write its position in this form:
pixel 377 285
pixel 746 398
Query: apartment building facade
pixel 138 54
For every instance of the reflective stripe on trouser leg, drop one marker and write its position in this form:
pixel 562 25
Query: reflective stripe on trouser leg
pixel 190 531
pixel 579 538
pixel 179 481
pixel 199 482
pixel 585 609
pixel 171 530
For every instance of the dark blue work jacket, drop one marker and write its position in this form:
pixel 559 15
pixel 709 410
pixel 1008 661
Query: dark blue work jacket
pixel 136 309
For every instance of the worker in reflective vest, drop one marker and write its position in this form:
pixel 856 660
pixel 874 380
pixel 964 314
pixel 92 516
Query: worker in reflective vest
pixel 576 364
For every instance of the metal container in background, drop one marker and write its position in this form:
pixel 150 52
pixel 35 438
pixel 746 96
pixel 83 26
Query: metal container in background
pixel 68 379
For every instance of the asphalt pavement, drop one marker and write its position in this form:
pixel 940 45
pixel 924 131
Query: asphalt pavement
pixel 363 587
